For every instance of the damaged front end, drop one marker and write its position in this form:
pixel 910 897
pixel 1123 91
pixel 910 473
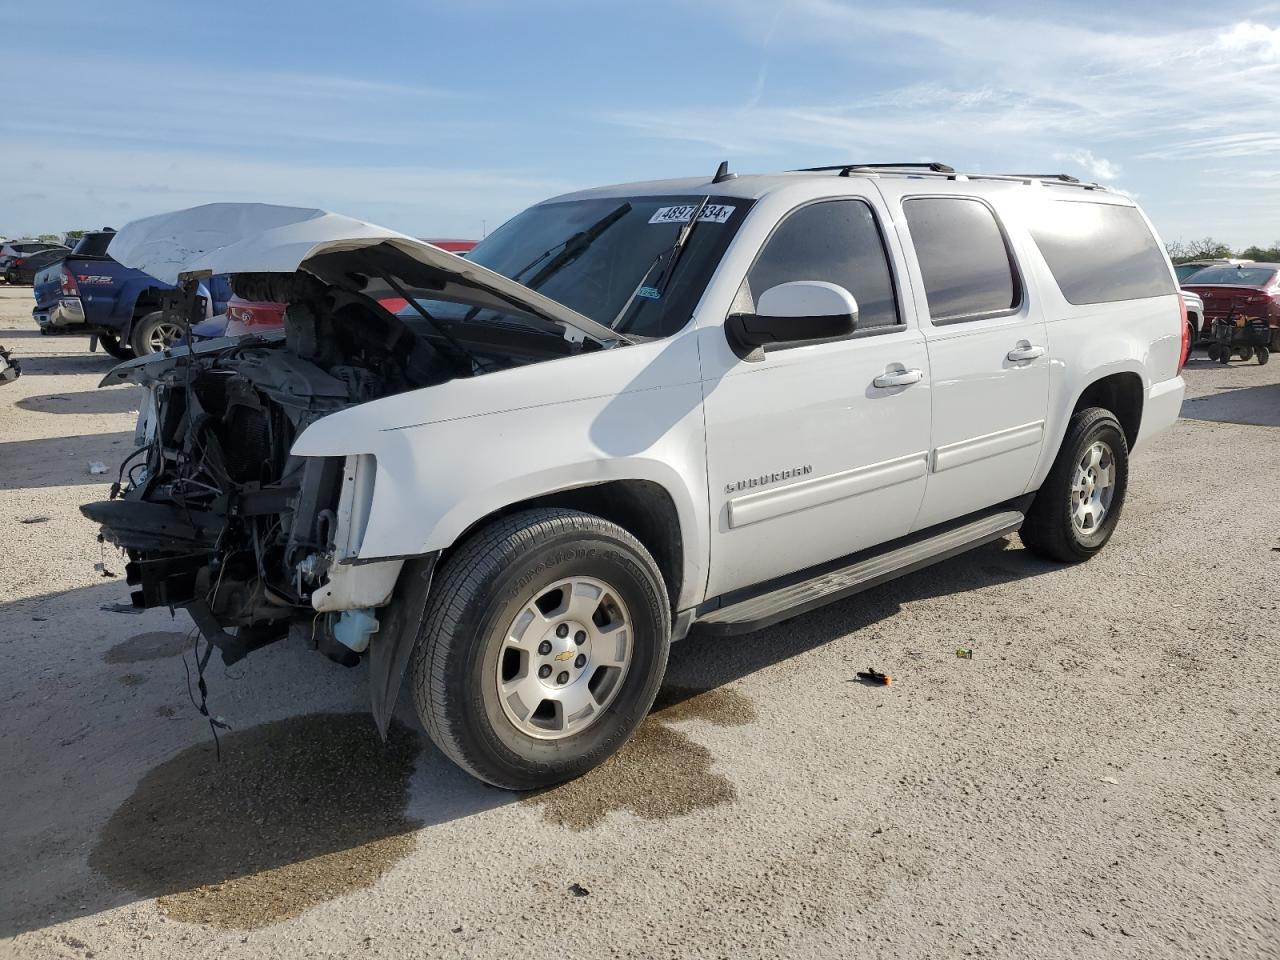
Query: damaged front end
pixel 215 513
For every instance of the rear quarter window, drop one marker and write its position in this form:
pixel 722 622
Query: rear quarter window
pixel 1101 253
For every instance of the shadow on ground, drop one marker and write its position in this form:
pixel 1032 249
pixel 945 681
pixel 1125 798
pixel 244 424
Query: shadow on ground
pixel 62 461
pixel 113 400
pixel 303 809
pixel 1252 406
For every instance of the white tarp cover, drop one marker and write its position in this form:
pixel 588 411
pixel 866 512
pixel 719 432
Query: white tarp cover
pixel 265 238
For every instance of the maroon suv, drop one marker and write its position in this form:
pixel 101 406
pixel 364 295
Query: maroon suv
pixel 1239 290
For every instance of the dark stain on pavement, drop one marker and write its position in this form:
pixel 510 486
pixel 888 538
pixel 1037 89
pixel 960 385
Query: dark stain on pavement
pixel 660 772
pixel 298 812
pixel 148 646
pixel 133 679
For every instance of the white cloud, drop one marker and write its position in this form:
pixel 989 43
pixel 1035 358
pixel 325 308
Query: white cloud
pixel 1097 167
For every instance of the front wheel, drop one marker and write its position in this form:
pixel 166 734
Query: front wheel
pixel 1263 356
pixel 1246 353
pixel 1078 506
pixel 153 333
pixel 543 646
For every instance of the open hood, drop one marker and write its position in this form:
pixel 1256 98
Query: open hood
pixel 230 238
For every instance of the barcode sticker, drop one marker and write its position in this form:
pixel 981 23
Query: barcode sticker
pixel 711 213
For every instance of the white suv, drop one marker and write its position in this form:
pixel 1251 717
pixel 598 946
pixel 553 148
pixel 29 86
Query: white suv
pixel 701 405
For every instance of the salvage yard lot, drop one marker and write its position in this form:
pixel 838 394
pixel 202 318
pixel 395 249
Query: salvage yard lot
pixel 1100 780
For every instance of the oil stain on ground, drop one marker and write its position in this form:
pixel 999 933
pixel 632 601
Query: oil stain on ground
pixel 659 773
pixel 298 812
pixel 148 646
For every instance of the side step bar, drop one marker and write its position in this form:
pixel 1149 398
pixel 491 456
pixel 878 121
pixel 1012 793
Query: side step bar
pixel 853 574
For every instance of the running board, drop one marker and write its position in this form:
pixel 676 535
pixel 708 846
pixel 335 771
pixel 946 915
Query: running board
pixel 862 571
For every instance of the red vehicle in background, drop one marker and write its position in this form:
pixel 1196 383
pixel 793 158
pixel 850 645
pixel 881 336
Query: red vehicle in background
pixel 1239 290
pixel 257 316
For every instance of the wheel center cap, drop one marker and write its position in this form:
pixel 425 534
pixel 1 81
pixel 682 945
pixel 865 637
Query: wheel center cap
pixel 566 658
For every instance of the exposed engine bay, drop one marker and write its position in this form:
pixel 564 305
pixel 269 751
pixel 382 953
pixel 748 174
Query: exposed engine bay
pixel 215 514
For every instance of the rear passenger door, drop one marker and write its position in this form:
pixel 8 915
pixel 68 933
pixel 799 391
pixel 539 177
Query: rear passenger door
pixel 988 356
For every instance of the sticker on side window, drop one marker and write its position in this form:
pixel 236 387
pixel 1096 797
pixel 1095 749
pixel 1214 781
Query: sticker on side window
pixel 711 213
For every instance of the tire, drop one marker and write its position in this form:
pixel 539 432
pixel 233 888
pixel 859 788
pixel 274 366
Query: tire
pixel 112 345
pixel 467 648
pixel 1246 353
pixel 1051 528
pixel 152 334
pixel 11 278
pixel 1213 351
pixel 1263 355
pixel 1224 354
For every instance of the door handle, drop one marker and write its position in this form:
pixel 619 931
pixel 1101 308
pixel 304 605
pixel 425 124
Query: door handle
pixel 1025 351
pixel 897 378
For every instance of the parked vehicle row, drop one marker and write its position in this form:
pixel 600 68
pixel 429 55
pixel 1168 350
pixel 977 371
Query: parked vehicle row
pixel 20 260
pixel 632 413
pixel 1238 292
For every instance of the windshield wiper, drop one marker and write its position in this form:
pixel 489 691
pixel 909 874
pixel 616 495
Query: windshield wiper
pixel 672 256
pixel 573 247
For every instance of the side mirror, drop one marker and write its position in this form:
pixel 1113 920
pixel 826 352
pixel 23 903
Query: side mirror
pixel 795 312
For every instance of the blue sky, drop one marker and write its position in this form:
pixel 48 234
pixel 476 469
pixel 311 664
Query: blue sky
pixel 441 119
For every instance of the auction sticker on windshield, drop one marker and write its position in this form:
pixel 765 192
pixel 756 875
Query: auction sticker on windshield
pixel 712 212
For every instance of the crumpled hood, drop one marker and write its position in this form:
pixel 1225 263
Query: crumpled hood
pixel 229 238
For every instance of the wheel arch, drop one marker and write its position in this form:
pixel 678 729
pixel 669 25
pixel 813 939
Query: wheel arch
pixel 644 508
pixel 1122 393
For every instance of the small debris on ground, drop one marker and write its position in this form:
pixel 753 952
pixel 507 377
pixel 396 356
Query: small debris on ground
pixel 120 608
pixel 96 467
pixel 578 890
pixel 964 653
pixel 874 678
pixel 34 520
pixel 102 569
pixel 1111 780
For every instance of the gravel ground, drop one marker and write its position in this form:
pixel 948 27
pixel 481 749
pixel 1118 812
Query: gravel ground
pixel 1100 780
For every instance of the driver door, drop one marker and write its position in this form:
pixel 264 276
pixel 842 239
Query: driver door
pixel 820 449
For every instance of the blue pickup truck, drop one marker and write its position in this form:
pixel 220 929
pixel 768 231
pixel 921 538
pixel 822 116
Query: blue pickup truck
pixel 90 294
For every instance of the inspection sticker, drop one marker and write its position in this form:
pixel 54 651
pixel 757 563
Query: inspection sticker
pixel 711 213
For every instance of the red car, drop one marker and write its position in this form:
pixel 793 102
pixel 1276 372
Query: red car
pixel 1239 290
pixel 249 316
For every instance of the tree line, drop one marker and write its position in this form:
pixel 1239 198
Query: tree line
pixel 1180 251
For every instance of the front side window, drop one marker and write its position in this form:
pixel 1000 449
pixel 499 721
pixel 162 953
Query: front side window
pixel 837 241
pixel 964 260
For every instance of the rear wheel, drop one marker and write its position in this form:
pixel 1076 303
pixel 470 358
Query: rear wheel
pixel 112 345
pixel 1246 353
pixel 1079 504
pixel 542 649
pixel 153 333
pixel 1263 356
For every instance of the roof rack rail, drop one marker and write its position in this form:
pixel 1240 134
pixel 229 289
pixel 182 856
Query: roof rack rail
pixel 844 168
pixel 1063 177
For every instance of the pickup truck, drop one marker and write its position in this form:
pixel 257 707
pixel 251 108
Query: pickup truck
pixel 90 294
pixel 631 415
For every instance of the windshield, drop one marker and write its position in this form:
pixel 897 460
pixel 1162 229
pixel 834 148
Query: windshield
pixel 1185 270
pixel 606 258
pixel 1237 276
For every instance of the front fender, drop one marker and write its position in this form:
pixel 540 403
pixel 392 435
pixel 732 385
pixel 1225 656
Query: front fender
pixel 435 480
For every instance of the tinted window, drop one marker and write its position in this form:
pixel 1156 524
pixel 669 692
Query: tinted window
pixel 1101 253
pixel 963 258
pixel 1244 276
pixel 837 241
pixel 94 244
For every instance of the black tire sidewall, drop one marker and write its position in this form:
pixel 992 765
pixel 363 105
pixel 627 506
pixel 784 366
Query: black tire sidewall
pixel 139 334
pixel 483 729
pixel 1092 428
